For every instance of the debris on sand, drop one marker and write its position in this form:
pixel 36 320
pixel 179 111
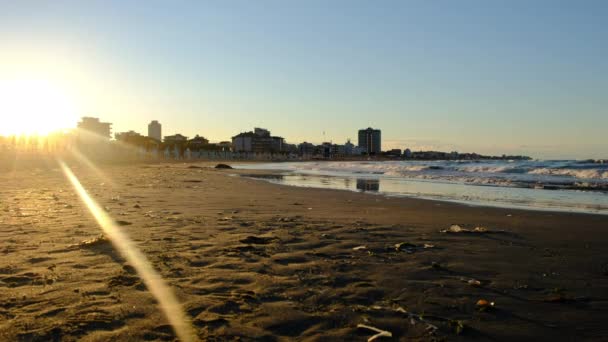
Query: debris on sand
pixel 380 332
pixel 123 223
pixel 92 242
pixel 474 282
pixel 359 248
pixel 258 240
pixel 405 246
pixel 223 166
pixel 195 167
pixel 411 317
pixel 410 247
pixel 483 305
pixel 455 229
pixel 458 325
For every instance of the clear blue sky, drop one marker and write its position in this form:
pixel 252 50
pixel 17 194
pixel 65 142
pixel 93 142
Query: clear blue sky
pixel 487 76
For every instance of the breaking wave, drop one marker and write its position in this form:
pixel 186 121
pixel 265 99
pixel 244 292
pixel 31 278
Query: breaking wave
pixel 572 169
pixel 556 185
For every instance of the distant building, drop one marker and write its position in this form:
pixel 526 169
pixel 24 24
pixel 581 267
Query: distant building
pixel 243 142
pixel 136 139
pixel 128 137
pixel 306 149
pixel 198 143
pixel 357 151
pixel 225 145
pixel 259 141
pixel 92 126
pixel 370 140
pixel 407 153
pixel 277 144
pixel 290 148
pixel 396 152
pixel 348 148
pixel 155 130
pixel 338 150
pixel 261 132
pixel 175 139
pixel 326 149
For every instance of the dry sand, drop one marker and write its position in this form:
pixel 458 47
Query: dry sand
pixel 253 260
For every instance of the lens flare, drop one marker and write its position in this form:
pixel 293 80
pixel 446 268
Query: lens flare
pixel 161 292
pixel 88 163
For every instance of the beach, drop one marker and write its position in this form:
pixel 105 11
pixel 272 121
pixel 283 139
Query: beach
pixel 253 260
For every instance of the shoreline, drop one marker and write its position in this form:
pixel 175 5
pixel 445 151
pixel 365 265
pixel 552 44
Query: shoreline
pixel 255 260
pixel 270 175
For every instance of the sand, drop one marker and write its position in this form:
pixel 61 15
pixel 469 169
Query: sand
pixel 254 260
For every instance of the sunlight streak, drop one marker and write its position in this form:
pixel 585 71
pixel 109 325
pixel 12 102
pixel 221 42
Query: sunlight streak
pixel 161 292
pixel 88 163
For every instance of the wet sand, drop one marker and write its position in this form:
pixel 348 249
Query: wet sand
pixel 255 260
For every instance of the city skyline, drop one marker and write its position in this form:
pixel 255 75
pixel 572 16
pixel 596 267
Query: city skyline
pixel 514 78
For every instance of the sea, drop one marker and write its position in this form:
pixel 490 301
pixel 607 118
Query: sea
pixel 556 185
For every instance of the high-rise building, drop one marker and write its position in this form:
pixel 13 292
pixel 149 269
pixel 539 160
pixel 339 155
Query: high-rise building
pixel 155 130
pixel 370 141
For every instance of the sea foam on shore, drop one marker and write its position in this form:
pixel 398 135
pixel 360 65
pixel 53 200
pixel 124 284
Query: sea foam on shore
pixel 545 185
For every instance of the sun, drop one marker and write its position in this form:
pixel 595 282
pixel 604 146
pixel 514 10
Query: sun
pixel 30 107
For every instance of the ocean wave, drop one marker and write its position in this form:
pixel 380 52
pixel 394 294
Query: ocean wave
pixel 492 169
pixel 575 173
pixel 562 169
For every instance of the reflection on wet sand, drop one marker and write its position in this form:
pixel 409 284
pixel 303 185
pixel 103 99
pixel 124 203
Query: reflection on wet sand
pixel 364 184
pixel 508 197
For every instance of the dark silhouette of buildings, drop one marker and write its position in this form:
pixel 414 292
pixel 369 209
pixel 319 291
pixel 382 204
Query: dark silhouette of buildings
pixel 259 141
pixel 128 137
pixel 370 141
pixel 198 143
pixel 94 126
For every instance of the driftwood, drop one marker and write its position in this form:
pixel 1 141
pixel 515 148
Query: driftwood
pixel 380 332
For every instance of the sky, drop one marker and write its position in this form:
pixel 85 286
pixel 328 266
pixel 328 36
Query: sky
pixel 493 77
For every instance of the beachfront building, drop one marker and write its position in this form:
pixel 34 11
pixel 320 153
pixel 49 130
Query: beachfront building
pixel 358 151
pixel 175 139
pixel 198 143
pixel 128 137
pixel 277 144
pixel 337 151
pixel 326 149
pixel 290 148
pixel 348 148
pixel 243 142
pixel 155 130
pixel 407 153
pixel 225 146
pixel 89 126
pixel 370 141
pixel 138 140
pixel 306 149
pixel 258 141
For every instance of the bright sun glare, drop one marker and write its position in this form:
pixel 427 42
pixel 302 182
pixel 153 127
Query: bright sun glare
pixel 35 107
